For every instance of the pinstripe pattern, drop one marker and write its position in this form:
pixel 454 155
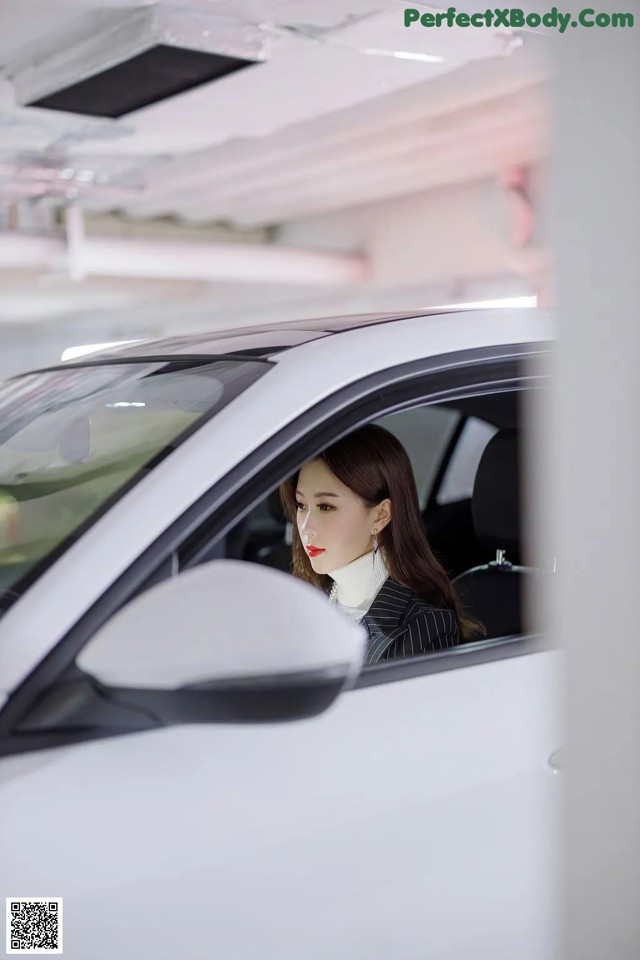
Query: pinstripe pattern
pixel 403 625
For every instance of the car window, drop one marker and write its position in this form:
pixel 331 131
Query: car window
pixel 425 433
pixel 263 536
pixel 457 482
pixel 445 442
pixel 73 439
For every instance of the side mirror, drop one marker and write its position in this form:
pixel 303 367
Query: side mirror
pixel 226 642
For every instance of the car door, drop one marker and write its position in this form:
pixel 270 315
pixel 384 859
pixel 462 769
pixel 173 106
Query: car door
pixel 414 818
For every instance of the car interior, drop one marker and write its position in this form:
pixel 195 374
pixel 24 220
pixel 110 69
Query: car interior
pixel 466 460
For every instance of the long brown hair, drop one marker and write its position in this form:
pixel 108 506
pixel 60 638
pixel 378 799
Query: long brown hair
pixel 372 462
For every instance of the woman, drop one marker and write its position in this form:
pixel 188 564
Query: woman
pixel 358 535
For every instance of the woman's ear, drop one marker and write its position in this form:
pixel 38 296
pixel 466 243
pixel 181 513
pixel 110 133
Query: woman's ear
pixel 383 514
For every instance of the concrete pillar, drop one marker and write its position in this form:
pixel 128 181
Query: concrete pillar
pixel 595 223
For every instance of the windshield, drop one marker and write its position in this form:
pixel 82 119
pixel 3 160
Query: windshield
pixel 73 440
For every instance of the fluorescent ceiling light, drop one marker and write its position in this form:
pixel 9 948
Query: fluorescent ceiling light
pixel 489 304
pixel 72 353
pixel 326 37
pixel 400 54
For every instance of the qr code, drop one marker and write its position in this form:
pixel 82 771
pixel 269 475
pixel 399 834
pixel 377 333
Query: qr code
pixel 34 925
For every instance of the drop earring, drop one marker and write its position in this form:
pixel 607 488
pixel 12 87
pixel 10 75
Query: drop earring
pixel 375 548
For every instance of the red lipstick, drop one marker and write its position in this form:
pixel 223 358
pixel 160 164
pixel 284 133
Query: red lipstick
pixel 315 551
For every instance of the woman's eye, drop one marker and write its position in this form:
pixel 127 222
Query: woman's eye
pixel 325 506
pixel 299 506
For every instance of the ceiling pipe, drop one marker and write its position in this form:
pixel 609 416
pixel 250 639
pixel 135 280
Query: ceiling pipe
pixel 216 197
pixel 230 262
pixel 20 251
pixel 443 152
pixel 295 144
pixel 356 188
pixel 169 260
pixel 415 141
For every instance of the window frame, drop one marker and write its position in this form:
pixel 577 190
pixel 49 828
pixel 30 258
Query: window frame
pixel 418 383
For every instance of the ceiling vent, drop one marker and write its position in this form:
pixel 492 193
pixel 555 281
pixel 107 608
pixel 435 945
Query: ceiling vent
pixel 152 76
pixel 137 60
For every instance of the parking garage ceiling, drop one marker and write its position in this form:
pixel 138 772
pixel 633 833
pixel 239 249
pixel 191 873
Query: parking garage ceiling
pixel 251 175
pixel 329 103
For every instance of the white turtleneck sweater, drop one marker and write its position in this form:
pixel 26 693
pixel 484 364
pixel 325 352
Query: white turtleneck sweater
pixel 356 584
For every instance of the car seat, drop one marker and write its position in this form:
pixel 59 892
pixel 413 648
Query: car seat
pixel 451 535
pixel 492 592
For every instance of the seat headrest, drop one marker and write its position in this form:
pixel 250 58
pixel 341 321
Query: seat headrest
pixel 495 505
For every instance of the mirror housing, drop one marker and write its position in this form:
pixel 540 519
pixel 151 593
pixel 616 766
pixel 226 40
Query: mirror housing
pixel 226 642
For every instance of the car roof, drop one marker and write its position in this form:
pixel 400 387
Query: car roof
pixel 258 342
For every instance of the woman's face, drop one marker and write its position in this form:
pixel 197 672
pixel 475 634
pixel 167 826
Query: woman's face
pixel 332 519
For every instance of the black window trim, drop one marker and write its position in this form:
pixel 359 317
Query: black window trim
pixel 414 383
pixel 186 359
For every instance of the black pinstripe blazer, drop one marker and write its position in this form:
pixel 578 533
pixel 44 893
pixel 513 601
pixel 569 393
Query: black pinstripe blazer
pixel 400 624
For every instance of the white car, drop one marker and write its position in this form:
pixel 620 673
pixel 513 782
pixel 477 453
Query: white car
pixel 192 755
